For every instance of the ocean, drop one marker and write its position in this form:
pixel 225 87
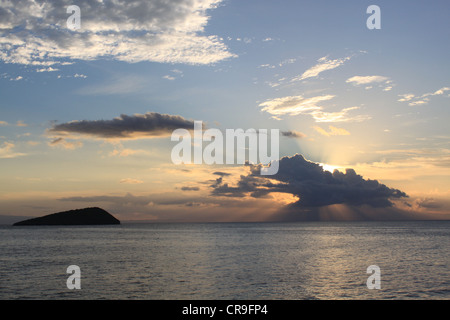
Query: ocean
pixel 215 261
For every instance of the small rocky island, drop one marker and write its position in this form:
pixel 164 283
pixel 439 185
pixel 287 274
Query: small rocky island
pixel 87 216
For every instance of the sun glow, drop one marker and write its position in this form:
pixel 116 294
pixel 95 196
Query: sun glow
pixel 329 167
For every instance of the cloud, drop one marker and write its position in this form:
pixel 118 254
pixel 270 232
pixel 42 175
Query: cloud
pixel 137 126
pixel 119 85
pixel 287 61
pixel 293 105
pixel 372 80
pixel 168 77
pixel 131 181
pixel 406 97
pixel 61 142
pixel 418 102
pixel 414 100
pixel 332 132
pixel 35 33
pixel 296 105
pixel 222 174
pixel 3 123
pixel 338 116
pixel 323 65
pixel 269 66
pixel 314 186
pixel 190 188
pixel 440 91
pixel 7 152
pixel 293 134
pixel 125 152
pixel 362 80
pixel 175 75
pixel 49 69
pixel 20 123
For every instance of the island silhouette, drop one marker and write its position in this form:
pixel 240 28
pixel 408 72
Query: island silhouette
pixel 86 216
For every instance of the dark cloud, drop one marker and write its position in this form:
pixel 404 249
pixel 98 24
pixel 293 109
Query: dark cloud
pixel 428 203
pixel 147 125
pixel 56 141
pixel 293 134
pixel 222 174
pixel 313 186
pixel 190 188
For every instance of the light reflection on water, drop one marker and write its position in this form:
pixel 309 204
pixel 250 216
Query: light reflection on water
pixel 322 260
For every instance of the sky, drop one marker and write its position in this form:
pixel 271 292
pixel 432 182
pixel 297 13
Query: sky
pixel 87 114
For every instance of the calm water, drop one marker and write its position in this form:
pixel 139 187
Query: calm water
pixel 228 261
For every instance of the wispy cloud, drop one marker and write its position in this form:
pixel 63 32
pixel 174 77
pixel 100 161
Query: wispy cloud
pixel 126 152
pixel 333 131
pixel 131 181
pixel 370 81
pixel 20 123
pixel 414 100
pixel 118 85
pixel 168 77
pixel 293 105
pixel 339 116
pixel 323 64
pixel 7 152
pixel 61 142
pixel 287 61
pixel 296 105
pixel 362 80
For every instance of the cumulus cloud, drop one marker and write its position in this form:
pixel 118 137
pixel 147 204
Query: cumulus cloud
pixel 293 134
pixel 137 126
pixel 36 33
pixel 323 64
pixel 314 186
pixel 296 105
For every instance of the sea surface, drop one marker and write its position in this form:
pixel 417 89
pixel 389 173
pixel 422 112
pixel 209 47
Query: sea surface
pixel 213 261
